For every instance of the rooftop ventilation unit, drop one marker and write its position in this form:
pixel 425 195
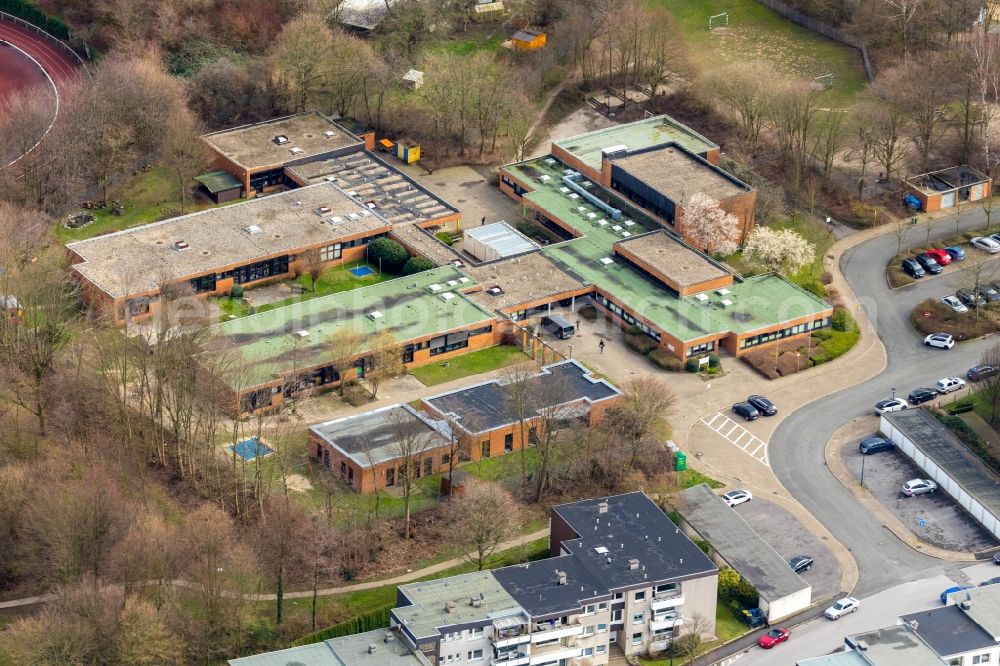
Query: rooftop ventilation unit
pixel 434 288
pixel 463 280
pixel 495 291
pixel 722 292
pixel 633 564
pixel 181 245
pixel 330 179
pixel 544 178
pixel 253 230
pixel 336 220
pixel 328 133
pixel 452 283
pixel 550 160
pixel 601 550
pixel 354 216
pixel 447 296
pixel 560 577
pixel 602 508
pixel 281 139
pixel 302 334
pixel 323 210
pixel 607 261
pixel 701 298
pixel 573 195
pixel 295 150
pixel 616 228
pixel 626 234
pixel 374 315
pixel 725 302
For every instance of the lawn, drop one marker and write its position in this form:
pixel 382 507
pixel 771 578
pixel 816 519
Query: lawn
pixel 727 627
pixel 331 281
pixel 475 363
pixel 757 33
pixel 149 196
pixel 485 38
pixel 809 228
pixel 690 478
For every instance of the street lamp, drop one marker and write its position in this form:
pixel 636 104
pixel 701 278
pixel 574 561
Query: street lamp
pixel 571 351
pixel 893 393
pixel 863 456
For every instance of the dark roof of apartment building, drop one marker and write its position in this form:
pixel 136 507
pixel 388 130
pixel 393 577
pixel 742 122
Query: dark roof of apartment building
pixel 948 630
pixel 540 590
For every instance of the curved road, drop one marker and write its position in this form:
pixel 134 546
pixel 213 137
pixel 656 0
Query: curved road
pixel 796 448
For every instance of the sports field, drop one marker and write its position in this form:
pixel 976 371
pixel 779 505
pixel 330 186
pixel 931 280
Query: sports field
pixel 755 32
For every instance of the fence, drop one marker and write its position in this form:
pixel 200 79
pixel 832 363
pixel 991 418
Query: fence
pixel 817 26
pixel 20 22
pixel 532 344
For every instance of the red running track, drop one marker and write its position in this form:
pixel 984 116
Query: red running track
pixel 53 59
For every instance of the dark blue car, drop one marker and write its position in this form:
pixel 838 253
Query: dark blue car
pixel 952 590
pixel 957 253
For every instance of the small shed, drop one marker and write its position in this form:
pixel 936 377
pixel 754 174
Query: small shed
pixel 528 39
pixel 949 187
pixel 408 151
pixel 413 79
pixel 496 241
pixel 221 186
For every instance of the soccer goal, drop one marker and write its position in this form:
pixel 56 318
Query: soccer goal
pixel 718 19
pixel 826 80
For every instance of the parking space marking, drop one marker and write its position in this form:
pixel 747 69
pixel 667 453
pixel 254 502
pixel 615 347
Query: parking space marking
pixel 738 436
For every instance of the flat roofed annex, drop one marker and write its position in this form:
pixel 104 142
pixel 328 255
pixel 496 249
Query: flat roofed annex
pixel 680 264
pixel 678 175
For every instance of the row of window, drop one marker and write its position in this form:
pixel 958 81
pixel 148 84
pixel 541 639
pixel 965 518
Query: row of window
pixel 475 632
pixel 703 348
pixel 755 340
pixel 625 316
pixel 472 655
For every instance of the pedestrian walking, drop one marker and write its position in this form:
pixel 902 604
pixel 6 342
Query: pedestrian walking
pixel 482 222
pixel 578 325
pixel 601 346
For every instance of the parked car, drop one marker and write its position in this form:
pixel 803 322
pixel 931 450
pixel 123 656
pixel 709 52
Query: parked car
pixel 980 371
pixel 773 637
pixel 953 590
pixel 762 405
pixel 995 238
pixel 949 384
pixel 996 558
pixel 746 410
pixel 915 487
pixel 800 563
pixel 971 298
pixel 940 256
pixel 955 304
pixel 921 395
pixel 990 293
pixel 940 340
pixel 956 253
pixel 890 405
pixel 929 265
pixel 871 445
pixel 559 327
pixel 737 497
pixel 912 268
pixel 842 607
pixel 991 581
pixel 985 244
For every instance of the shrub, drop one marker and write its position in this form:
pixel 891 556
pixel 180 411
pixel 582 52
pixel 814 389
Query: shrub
pixel 842 320
pixel 445 238
pixel 417 265
pixel 762 360
pixel 833 347
pixel 26 10
pixel 813 286
pixel 640 343
pixel 374 619
pixel 826 277
pixel 663 359
pixel 633 330
pixel 588 312
pixel 959 407
pixel 791 362
pixel 392 255
pixel 236 291
pixel 712 371
pixel 733 588
pixel 691 365
pixel 714 361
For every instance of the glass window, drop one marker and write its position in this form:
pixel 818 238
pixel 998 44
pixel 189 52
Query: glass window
pixel 637 638
pixel 640 595
pixel 588 630
pixel 637 618
pixel 475 655
pixel 484 449
pixel 476 632
pixel 603 606
pixel 390 477
pixel 330 252
pixel 601 649
pixel 602 628
pixel 428 466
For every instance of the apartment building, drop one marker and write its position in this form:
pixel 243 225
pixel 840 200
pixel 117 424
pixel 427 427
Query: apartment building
pixel 622 580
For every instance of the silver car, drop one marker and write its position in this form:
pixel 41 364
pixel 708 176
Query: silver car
pixel 915 487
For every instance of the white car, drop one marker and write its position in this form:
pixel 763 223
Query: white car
pixel 955 304
pixel 949 384
pixel 842 607
pixel 736 497
pixel 986 244
pixel 940 340
pixel 890 405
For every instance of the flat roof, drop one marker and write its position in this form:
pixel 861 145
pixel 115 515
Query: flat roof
pixel 947 451
pixel 219 181
pixel 536 586
pixel 645 133
pixel 483 407
pixel 754 303
pixel 371 438
pixel 444 602
pixel 528 278
pixel 948 179
pixel 254 146
pixel 679 175
pixel 894 646
pixel 350 650
pixel 423 242
pixel 849 658
pixel 142 258
pixel 266 346
pixel 632 527
pixel 502 238
pixel 368 179
pixel 984 608
pixel 737 543
pixel 680 263
pixel 949 631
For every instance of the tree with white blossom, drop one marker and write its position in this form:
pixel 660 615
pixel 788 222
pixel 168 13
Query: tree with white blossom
pixel 708 227
pixel 778 250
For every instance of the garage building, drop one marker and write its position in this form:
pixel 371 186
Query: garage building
pixel 948 462
pixel 782 592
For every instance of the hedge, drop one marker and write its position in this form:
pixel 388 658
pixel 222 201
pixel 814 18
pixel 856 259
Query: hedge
pixel 665 360
pixel 374 619
pixel 393 256
pixel 733 588
pixel 417 265
pixel 640 343
pixel 445 238
pixel 23 9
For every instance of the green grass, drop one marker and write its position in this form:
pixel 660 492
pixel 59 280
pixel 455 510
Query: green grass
pixel 477 38
pixel 475 363
pixel 691 477
pixel 809 228
pixel 757 33
pixel 501 467
pixel 727 627
pixel 331 281
pixel 148 196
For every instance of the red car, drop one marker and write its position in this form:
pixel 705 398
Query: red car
pixel 940 256
pixel 773 637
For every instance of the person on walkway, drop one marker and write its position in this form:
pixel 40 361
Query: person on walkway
pixel 482 222
pixel 601 346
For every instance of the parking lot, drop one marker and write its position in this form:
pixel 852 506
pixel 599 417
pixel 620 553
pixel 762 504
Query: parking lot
pixel 934 517
pixel 789 537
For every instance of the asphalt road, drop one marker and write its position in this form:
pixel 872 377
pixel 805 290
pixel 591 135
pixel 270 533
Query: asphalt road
pixel 796 448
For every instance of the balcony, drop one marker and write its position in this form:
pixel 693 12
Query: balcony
pixel 508 631
pixel 667 600
pixel 553 653
pixel 668 621
pixel 513 658
pixel 545 632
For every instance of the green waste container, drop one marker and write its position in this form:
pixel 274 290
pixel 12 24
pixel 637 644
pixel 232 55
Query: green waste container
pixel 680 461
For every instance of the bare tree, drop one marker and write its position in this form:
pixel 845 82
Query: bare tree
pixel 708 227
pixel 313 263
pixel 989 386
pixel 410 441
pixel 828 138
pixel 483 517
pixel 280 546
pixel 345 347
pixel 515 384
pixel 976 273
pixel 301 53
pixel 183 151
pixel 745 88
pixel 386 360
pixel 886 124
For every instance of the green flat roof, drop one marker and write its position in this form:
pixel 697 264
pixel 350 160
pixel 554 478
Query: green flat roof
pixel 654 131
pixel 218 181
pixel 266 345
pixel 756 302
